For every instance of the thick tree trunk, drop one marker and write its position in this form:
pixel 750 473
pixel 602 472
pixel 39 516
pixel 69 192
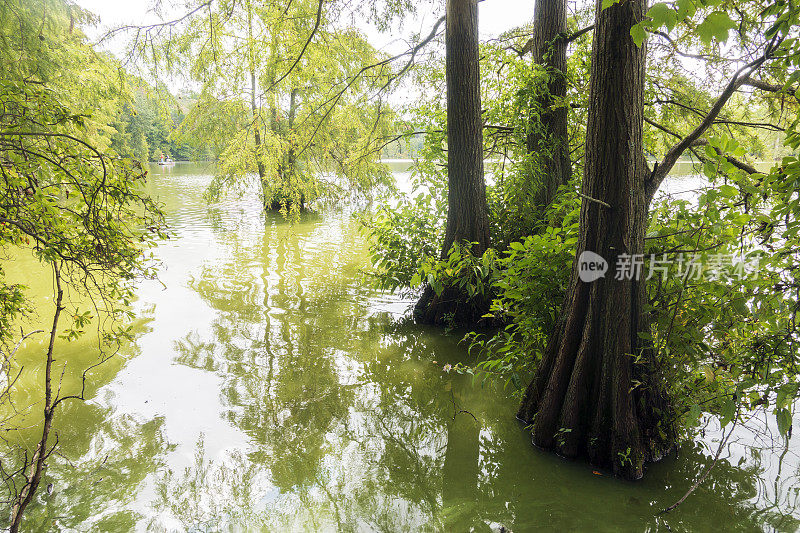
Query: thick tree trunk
pixel 547 140
pixel 598 389
pixel 467 215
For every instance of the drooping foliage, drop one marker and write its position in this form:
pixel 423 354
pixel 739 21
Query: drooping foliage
pixel 288 97
pixel 71 202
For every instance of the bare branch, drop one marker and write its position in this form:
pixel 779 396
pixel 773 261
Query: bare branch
pixel 661 170
pixel 413 51
pixel 121 29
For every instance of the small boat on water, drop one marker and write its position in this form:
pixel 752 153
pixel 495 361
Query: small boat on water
pixel 168 162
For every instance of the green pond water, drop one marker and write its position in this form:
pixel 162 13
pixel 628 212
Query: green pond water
pixel 270 388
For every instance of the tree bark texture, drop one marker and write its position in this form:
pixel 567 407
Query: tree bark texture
pixel 467 215
pixel 599 389
pixel 547 141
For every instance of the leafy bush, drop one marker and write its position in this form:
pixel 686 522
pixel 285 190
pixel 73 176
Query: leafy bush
pixel 726 335
pixel 402 239
pixel 461 269
pixel 532 277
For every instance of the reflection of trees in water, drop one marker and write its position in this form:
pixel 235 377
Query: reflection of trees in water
pixel 749 490
pixel 207 495
pixel 101 459
pixel 351 426
pixel 281 385
pixel 92 481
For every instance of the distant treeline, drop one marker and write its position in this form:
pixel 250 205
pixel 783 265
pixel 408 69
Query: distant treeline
pixel 404 148
pixel 145 127
pixel 148 127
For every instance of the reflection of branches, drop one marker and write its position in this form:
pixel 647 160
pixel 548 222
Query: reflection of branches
pixel 702 478
pixel 36 463
pixel 6 365
pixel 457 411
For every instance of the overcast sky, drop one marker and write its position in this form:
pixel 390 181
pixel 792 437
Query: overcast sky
pixel 495 17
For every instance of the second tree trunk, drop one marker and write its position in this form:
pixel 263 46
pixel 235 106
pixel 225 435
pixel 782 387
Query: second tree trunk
pixel 599 388
pixel 467 214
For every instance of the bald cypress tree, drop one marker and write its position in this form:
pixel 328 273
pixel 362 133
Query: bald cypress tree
pixel 547 140
pixel 598 389
pixel 467 215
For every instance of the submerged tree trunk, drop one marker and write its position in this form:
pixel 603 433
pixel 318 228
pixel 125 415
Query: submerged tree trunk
pixel 461 469
pixel 288 167
pixel 547 141
pixel 598 389
pixel 467 215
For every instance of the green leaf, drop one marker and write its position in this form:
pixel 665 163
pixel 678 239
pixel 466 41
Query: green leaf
pixel 792 79
pixel 638 34
pixel 694 414
pixel 786 394
pixel 686 9
pixel 740 306
pixel 662 15
pixel 716 26
pixel 784 419
pixel 727 411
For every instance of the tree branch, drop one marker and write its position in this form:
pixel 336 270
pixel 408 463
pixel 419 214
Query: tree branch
pixel 766 86
pixel 567 38
pixel 305 47
pixel 741 165
pixel 669 160
pixel 434 32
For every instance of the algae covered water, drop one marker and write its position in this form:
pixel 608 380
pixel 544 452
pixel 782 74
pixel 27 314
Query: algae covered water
pixel 271 388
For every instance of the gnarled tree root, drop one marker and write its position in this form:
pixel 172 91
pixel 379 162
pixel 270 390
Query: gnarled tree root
pixel 598 391
pixel 452 308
